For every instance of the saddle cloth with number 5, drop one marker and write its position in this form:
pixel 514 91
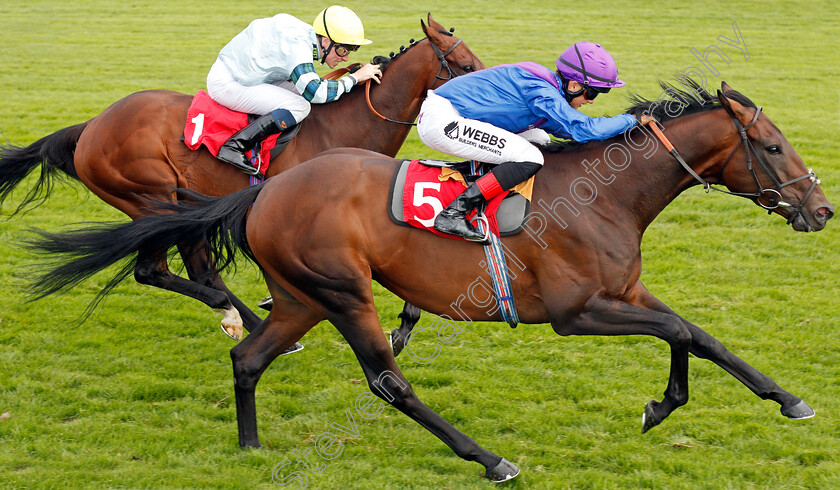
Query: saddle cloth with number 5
pixel 422 188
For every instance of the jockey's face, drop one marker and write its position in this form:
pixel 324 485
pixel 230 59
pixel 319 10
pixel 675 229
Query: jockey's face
pixel 333 58
pixel 581 99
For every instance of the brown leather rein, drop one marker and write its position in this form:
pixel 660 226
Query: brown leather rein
pixel 335 75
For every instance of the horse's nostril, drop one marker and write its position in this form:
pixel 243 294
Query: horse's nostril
pixel 824 213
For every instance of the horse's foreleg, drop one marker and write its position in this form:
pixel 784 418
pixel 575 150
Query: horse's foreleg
pixel 201 270
pixel 151 269
pixel 608 316
pixel 285 325
pixel 408 319
pixel 707 347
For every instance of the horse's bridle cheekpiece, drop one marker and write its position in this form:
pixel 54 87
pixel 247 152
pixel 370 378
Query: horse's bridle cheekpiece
pixel 441 56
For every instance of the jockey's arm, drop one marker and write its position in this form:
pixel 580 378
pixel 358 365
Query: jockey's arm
pixel 319 91
pixel 565 121
pixel 316 89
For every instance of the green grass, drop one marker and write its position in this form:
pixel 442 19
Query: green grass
pixel 141 396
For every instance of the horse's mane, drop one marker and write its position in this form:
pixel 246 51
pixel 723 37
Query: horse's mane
pixel 384 61
pixel 689 98
pixel 676 101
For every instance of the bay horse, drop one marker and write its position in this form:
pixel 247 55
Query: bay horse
pixel 580 255
pixel 132 151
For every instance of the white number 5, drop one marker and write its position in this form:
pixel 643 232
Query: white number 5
pixel 420 199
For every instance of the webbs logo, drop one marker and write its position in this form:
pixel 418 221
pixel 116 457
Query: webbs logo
pixel 451 130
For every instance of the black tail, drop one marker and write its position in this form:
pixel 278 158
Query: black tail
pixel 54 151
pixel 79 254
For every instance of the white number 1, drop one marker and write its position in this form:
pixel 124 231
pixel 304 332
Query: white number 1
pixel 199 127
pixel 420 199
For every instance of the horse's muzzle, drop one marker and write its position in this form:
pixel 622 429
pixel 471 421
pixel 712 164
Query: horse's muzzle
pixel 820 217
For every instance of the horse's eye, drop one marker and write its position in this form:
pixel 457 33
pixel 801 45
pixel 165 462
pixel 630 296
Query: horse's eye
pixel 468 69
pixel 774 149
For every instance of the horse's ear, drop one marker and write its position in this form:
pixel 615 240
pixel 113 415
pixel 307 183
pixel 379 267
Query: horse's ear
pixel 735 108
pixel 423 26
pixel 724 101
pixel 434 24
pixel 725 87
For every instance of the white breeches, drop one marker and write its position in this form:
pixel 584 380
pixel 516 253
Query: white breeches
pixel 441 128
pixel 257 99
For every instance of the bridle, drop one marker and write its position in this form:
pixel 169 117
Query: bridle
pixel 442 59
pixel 775 196
pixel 444 65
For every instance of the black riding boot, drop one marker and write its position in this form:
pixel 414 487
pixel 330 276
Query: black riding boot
pixel 233 151
pixel 453 219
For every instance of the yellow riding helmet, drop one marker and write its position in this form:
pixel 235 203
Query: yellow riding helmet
pixel 341 25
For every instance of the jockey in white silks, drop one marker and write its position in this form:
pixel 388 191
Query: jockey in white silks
pixel 267 69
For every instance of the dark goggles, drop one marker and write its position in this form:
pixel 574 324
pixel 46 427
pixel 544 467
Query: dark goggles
pixel 590 92
pixel 343 50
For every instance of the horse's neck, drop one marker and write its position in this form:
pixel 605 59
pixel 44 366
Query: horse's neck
pixel 637 190
pixel 350 122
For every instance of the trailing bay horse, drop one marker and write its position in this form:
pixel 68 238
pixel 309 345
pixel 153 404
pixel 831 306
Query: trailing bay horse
pixel 580 257
pixel 132 152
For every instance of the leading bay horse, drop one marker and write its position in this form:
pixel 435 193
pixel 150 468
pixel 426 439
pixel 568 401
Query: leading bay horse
pixel 580 259
pixel 132 152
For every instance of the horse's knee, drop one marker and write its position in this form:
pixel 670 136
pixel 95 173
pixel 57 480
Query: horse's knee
pixel 681 335
pixel 245 373
pixel 410 314
pixel 393 389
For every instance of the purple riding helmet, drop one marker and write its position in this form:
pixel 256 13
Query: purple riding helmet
pixel 589 64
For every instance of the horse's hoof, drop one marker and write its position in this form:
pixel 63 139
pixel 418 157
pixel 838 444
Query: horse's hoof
pixel 798 411
pixel 649 420
pixel 230 331
pixel 397 341
pixel 266 303
pixel 255 444
pixel 291 350
pixel 231 323
pixel 503 471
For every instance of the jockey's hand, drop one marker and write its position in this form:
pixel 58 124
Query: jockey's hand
pixel 367 72
pixel 645 119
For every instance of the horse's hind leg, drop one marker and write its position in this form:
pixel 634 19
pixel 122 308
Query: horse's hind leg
pixel 201 271
pixel 151 269
pixel 285 325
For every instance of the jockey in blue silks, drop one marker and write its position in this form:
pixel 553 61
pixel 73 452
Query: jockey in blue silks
pixel 495 115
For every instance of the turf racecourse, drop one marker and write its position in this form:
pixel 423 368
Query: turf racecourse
pixel 141 394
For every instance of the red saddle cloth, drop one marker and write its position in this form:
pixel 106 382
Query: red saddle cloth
pixel 211 124
pixel 430 189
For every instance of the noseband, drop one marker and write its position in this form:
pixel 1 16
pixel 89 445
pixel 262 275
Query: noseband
pixel 775 195
pixel 443 65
